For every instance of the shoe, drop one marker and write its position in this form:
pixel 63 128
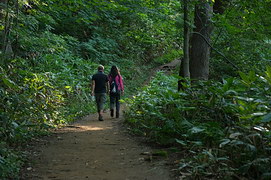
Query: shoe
pixel 117 114
pixel 101 118
pixel 111 112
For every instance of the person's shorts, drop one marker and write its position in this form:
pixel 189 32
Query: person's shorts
pixel 100 100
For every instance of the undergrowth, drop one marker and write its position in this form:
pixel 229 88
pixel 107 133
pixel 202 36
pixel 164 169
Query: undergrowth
pixel 34 101
pixel 223 127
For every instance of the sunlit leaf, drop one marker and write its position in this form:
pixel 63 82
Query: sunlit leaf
pixel 181 142
pixel 196 130
pixel 224 142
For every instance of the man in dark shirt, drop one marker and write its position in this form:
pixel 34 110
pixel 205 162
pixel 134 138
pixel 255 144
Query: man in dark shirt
pixel 99 88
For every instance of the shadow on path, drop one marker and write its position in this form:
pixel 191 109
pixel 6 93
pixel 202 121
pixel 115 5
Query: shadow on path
pixel 96 150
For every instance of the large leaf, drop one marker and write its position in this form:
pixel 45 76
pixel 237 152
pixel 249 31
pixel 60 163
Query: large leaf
pixel 10 83
pixel 266 118
pixel 196 130
pixel 181 142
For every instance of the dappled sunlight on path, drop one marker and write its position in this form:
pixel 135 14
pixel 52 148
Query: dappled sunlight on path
pixel 96 150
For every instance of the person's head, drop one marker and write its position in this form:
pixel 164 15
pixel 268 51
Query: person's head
pixel 100 68
pixel 114 71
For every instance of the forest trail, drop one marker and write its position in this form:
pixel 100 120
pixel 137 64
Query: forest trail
pixel 96 150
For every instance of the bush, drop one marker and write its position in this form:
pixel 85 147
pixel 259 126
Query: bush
pixel 225 124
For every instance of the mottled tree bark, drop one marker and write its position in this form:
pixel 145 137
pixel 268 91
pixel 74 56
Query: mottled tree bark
pixel 200 50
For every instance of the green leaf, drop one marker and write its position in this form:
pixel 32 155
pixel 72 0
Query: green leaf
pixel 244 76
pixel 235 135
pixel 196 130
pixel 224 142
pixel 268 74
pixel 198 143
pixel 231 92
pixel 10 83
pixel 266 118
pixel 181 142
pixel 266 176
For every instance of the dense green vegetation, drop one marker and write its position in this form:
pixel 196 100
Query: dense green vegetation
pixel 223 128
pixel 242 35
pixel 50 49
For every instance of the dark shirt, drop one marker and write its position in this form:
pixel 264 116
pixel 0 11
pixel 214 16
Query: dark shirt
pixel 100 82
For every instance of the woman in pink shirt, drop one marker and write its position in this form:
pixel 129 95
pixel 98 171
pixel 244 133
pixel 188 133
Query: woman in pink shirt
pixel 116 88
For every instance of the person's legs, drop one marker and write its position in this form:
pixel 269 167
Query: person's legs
pixel 103 100
pixel 100 100
pixel 112 103
pixel 117 98
pixel 97 99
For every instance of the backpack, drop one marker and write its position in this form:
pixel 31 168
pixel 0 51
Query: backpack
pixel 114 87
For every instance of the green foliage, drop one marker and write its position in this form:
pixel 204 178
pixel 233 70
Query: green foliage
pixel 242 37
pixel 32 102
pixel 58 44
pixel 48 89
pixel 101 50
pixel 223 125
pixel 169 56
pixel 117 29
pixel 10 162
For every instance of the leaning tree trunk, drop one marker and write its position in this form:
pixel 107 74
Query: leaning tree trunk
pixel 200 49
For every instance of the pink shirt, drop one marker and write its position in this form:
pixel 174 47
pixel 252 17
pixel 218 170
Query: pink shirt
pixel 118 80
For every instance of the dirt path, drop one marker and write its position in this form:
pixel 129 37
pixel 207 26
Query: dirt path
pixel 96 150
pixel 91 149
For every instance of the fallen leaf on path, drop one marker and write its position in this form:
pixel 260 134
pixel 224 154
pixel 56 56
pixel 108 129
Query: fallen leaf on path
pixel 59 138
pixel 141 159
pixel 146 153
pixel 177 162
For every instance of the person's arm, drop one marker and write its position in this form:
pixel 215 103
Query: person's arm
pixel 107 87
pixel 121 84
pixel 92 87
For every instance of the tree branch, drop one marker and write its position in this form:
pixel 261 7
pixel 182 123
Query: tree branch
pixel 229 61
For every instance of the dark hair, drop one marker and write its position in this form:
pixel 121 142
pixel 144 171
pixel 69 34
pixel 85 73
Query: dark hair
pixel 114 71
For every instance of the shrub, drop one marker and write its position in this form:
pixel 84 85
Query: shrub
pixel 224 126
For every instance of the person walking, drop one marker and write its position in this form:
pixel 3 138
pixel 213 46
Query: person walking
pixel 99 88
pixel 116 89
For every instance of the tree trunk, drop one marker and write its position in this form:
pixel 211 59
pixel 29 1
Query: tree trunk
pixel 184 68
pixel 2 5
pixel 6 44
pixel 200 50
pixel 4 18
